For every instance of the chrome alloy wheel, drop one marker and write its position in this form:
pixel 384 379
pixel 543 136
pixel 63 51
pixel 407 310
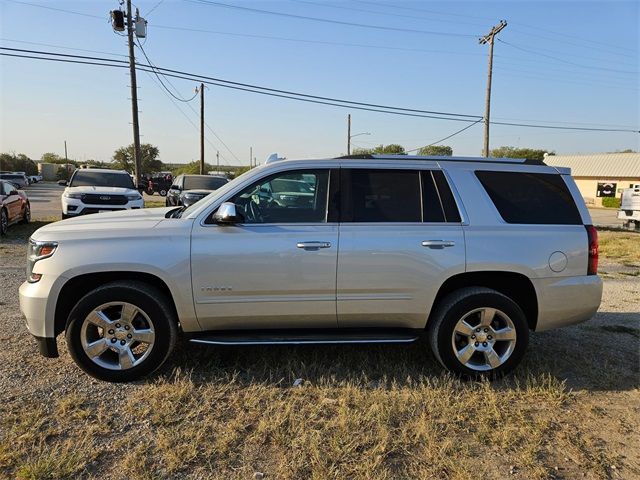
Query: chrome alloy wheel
pixel 484 339
pixel 117 335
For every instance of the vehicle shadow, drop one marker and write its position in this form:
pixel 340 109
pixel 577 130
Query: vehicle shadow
pixel 600 355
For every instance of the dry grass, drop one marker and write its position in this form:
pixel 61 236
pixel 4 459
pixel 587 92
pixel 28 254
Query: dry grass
pixel 618 246
pixel 375 412
pixel 154 203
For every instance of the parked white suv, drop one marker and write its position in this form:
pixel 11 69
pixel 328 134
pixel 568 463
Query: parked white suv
pixel 473 253
pixel 95 190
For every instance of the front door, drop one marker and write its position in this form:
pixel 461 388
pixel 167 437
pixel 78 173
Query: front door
pixel 275 269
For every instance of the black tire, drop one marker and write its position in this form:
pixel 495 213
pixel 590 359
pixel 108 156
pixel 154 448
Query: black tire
pixel 163 192
pixel 4 222
pixel 26 215
pixel 65 216
pixel 453 308
pixel 145 297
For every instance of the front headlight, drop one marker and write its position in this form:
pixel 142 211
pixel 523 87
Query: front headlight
pixel 134 197
pixel 38 251
pixel 72 195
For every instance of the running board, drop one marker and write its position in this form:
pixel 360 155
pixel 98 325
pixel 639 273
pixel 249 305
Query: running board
pixel 301 338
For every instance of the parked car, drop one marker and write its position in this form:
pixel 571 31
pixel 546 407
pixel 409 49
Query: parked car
pixel 19 179
pixel 470 253
pixel 14 206
pixel 188 189
pixel 160 184
pixel 34 178
pixel 99 190
pixel 630 207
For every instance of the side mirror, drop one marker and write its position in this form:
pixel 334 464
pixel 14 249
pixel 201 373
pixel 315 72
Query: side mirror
pixel 176 187
pixel 227 214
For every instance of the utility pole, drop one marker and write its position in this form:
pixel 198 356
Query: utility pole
pixel 349 134
pixel 65 152
pixel 250 157
pixel 489 38
pixel 217 161
pixel 202 129
pixel 134 94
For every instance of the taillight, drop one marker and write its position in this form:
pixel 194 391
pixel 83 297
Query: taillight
pixel 592 235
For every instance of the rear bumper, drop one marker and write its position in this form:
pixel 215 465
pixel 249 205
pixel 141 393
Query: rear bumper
pixel 567 301
pixel 629 215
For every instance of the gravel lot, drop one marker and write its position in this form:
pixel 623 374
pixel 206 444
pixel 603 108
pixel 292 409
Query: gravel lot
pixel 58 422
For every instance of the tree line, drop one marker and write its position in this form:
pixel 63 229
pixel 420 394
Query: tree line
pixel 122 159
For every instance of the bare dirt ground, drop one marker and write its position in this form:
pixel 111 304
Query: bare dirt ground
pixel 570 411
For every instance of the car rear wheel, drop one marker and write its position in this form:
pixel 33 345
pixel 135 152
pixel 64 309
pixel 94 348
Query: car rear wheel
pixel 478 332
pixel 121 331
pixel 163 192
pixel 4 222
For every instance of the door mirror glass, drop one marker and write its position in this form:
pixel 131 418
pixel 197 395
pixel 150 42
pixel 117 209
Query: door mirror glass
pixel 176 187
pixel 227 214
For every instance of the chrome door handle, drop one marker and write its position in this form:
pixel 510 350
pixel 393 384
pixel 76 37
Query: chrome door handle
pixel 313 245
pixel 438 243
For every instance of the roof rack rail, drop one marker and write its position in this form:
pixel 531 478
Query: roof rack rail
pixel 367 156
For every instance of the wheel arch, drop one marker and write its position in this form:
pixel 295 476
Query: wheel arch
pixel 516 286
pixel 77 287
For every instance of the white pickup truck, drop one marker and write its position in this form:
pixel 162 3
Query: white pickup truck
pixel 630 206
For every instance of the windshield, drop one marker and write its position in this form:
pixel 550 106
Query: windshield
pixel 87 178
pixel 204 182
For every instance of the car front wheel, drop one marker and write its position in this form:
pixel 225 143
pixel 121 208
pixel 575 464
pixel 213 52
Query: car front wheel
pixel 478 332
pixel 121 331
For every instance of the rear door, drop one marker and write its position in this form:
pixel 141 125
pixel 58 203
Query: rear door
pixel 400 238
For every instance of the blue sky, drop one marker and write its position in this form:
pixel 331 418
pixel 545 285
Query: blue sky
pixel 573 62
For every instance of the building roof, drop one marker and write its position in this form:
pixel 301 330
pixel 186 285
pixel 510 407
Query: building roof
pixel 599 165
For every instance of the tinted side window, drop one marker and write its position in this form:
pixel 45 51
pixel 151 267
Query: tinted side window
pixel 449 206
pixel 532 198
pixel 431 203
pixel 381 196
pixel 286 197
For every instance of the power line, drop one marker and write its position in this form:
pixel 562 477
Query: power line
pixel 536 28
pixel 327 20
pixel 185 76
pixel 154 7
pixel 534 52
pixel 58 9
pixel 299 40
pixel 351 103
pixel 386 14
pixel 447 137
pixel 160 80
pixel 182 112
pixel 62 47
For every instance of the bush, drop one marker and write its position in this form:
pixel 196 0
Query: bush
pixel 611 202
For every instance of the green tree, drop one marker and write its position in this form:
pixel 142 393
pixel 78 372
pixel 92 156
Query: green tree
pixel 18 163
pixel 513 152
pixel 391 149
pixel 149 163
pixel 436 151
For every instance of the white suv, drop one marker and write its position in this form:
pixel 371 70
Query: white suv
pixel 94 190
pixel 471 253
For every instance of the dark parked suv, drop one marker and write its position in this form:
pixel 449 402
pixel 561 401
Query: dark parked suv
pixel 188 189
